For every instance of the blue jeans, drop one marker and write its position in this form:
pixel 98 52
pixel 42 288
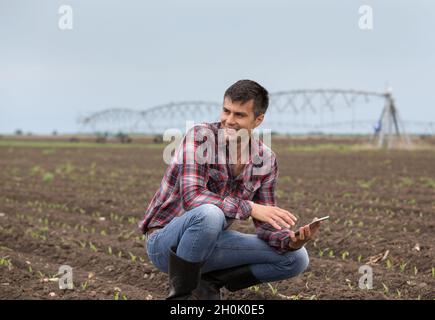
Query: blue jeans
pixel 199 235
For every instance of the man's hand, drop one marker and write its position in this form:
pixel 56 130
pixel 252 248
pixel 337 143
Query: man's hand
pixel 305 234
pixel 275 216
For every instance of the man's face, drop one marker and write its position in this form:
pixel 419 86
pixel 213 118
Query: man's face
pixel 236 115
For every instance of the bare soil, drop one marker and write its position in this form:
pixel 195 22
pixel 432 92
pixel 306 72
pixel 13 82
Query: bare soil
pixel 80 207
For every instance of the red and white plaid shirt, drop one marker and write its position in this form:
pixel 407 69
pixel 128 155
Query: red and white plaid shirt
pixel 187 185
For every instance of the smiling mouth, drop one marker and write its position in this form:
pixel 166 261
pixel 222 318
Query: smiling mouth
pixel 231 132
pixel 228 128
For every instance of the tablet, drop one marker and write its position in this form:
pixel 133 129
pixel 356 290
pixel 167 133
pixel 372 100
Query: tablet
pixel 312 223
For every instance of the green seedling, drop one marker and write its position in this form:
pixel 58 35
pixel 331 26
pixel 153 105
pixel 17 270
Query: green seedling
pixel 344 255
pixel 132 256
pixel 48 177
pixel 82 244
pixel 388 263
pixel 92 247
pixel 403 266
pixel 256 289
pixel 273 289
pixel 331 254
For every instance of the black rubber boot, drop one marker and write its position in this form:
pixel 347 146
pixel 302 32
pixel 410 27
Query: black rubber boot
pixel 234 279
pixel 184 277
pixel 207 290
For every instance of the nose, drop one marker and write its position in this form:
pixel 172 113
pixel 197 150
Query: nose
pixel 230 120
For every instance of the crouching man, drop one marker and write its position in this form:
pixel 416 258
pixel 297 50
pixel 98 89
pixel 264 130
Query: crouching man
pixel 186 223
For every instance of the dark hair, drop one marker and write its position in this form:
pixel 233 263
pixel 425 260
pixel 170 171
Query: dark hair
pixel 245 90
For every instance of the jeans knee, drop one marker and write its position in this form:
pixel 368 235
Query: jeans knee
pixel 211 216
pixel 301 260
pixel 297 261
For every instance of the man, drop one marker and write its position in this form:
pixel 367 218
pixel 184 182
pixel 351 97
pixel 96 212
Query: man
pixel 186 223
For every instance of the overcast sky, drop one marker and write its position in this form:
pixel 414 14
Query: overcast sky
pixel 138 54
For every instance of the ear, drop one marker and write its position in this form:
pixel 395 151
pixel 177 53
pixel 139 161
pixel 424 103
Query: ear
pixel 259 120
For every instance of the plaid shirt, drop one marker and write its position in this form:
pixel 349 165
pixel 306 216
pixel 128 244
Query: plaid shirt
pixel 187 185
